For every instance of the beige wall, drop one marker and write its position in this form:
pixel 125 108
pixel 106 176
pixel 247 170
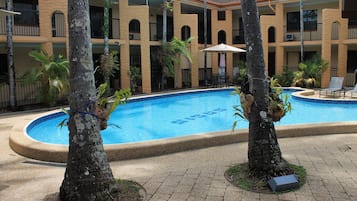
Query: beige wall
pixel 287 53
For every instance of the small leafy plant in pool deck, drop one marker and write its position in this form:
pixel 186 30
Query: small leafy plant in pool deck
pixel 105 104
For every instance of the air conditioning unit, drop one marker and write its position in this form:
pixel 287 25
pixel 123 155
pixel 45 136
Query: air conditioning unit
pixel 289 37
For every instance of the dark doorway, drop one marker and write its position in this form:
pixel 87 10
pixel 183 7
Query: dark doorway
pixel 271 64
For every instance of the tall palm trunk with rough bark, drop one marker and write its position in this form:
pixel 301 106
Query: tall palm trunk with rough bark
pixel 88 175
pixel 264 154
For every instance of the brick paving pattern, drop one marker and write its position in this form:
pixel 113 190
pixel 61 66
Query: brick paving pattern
pixel 330 161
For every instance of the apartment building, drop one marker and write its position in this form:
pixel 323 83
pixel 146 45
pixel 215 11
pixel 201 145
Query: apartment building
pixel 136 32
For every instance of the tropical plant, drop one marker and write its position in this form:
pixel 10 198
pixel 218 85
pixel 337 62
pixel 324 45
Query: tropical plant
pixel 286 78
pixel 243 72
pixel 108 65
pixel 107 104
pixel 135 78
pixel 170 53
pixel 53 73
pixel 278 106
pixel 309 74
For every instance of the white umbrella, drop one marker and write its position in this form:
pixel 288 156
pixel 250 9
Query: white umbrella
pixel 4 12
pixel 223 48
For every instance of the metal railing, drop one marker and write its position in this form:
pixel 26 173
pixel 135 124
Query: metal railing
pixel 309 35
pixel 26 94
pixel 352 32
pixel 19 30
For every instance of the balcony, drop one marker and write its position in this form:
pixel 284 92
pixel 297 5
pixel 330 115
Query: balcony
pixel 19 30
pixel 309 35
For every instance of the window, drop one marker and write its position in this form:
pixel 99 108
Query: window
pixel 221 15
pixel 134 26
pixel 28 10
pixel 310 20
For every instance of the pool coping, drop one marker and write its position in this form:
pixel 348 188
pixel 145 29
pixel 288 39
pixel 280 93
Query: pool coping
pixel 27 147
pixel 24 145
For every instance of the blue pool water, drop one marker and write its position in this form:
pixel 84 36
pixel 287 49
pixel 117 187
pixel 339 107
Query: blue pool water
pixel 185 114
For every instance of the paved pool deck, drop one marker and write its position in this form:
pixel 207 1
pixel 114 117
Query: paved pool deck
pixel 330 161
pixel 196 175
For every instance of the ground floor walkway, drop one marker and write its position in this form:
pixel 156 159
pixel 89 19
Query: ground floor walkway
pixel 330 161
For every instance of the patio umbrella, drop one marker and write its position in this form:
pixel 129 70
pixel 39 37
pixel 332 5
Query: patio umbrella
pixel 222 49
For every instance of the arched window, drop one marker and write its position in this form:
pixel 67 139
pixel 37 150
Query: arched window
pixel 221 37
pixel 271 34
pixel 58 24
pixel 185 32
pixel 134 30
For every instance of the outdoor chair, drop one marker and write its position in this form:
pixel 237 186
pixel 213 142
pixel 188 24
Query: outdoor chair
pixel 352 91
pixel 336 85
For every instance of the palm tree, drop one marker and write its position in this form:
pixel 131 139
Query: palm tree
pixel 264 154
pixel 88 175
pixel 53 73
pixel 169 56
pixel 10 59
pixel 108 60
pixel 164 21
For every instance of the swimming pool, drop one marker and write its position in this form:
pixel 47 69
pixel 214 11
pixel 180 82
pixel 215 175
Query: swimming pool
pixel 184 114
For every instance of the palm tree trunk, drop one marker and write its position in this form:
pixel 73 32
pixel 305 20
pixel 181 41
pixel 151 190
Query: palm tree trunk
pixel 106 26
pixel 106 38
pixel 88 175
pixel 164 22
pixel 164 36
pixel 264 154
pixel 10 58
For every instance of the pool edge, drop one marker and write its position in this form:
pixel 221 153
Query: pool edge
pixel 25 146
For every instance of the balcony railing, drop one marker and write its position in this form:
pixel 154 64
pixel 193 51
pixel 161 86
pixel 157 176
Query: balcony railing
pixel 26 94
pixel 309 35
pixel 352 33
pixel 19 30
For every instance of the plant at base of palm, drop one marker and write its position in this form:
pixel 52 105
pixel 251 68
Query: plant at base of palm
pixel 53 73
